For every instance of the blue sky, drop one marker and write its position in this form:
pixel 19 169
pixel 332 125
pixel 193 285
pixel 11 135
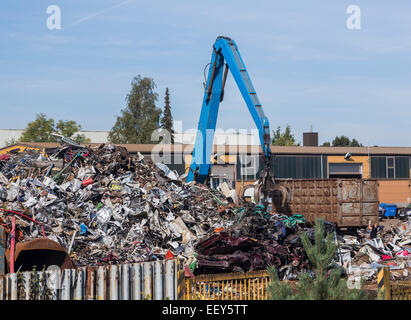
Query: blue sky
pixel 308 68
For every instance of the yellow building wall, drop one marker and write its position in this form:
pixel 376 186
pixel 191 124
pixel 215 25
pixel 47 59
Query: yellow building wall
pixel 394 191
pixel 354 159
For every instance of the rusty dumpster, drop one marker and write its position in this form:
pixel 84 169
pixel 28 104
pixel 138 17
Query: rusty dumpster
pixel 39 253
pixel 345 202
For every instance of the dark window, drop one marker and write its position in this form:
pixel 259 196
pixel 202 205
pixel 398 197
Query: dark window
pixel 345 168
pixel 261 166
pixel 297 167
pixel 390 167
pixel 402 167
pixel 325 172
pixel 378 168
pixel 390 173
pixel 285 167
pixel 310 167
pixel 248 167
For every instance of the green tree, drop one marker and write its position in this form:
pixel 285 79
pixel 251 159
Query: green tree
pixel 343 141
pixel 355 143
pixel 327 284
pixel 326 144
pixel 140 117
pixel 41 128
pixel 283 139
pixel 167 118
pixel 69 128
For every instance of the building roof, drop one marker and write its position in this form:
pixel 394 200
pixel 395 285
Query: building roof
pixel 251 149
pixel 342 150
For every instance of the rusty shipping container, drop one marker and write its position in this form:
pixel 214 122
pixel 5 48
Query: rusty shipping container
pixel 345 202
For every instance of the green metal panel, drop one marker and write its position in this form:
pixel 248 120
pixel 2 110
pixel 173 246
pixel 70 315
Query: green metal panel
pixel 402 167
pixel 294 167
pixel 378 167
pixel 325 167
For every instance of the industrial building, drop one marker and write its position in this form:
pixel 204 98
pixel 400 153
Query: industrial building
pixel 240 165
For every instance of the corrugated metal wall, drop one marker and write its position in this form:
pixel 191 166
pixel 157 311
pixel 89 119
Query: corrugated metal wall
pixel 155 280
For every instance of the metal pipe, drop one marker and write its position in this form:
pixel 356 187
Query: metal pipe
pixel 13 241
pixel 211 80
pixel 224 80
pixel 72 242
pixel 11 211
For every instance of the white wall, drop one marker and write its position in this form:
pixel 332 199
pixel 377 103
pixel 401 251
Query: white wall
pixel 220 138
pixel 231 139
pixel 7 134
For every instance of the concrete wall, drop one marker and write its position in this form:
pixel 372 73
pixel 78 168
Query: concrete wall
pixel 96 136
pixel 220 138
pixel 6 136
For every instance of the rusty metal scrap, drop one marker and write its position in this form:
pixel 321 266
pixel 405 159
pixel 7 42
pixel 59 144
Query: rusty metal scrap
pixel 362 256
pixel 39 253
pixel 254 242
pixel 344 202
pixel 105 206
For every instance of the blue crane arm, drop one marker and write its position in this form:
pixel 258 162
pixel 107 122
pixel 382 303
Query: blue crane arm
pixel 225 49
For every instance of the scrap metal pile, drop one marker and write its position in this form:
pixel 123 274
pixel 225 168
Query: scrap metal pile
pixel 256 240
pixel 362 256
pixel 105 206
